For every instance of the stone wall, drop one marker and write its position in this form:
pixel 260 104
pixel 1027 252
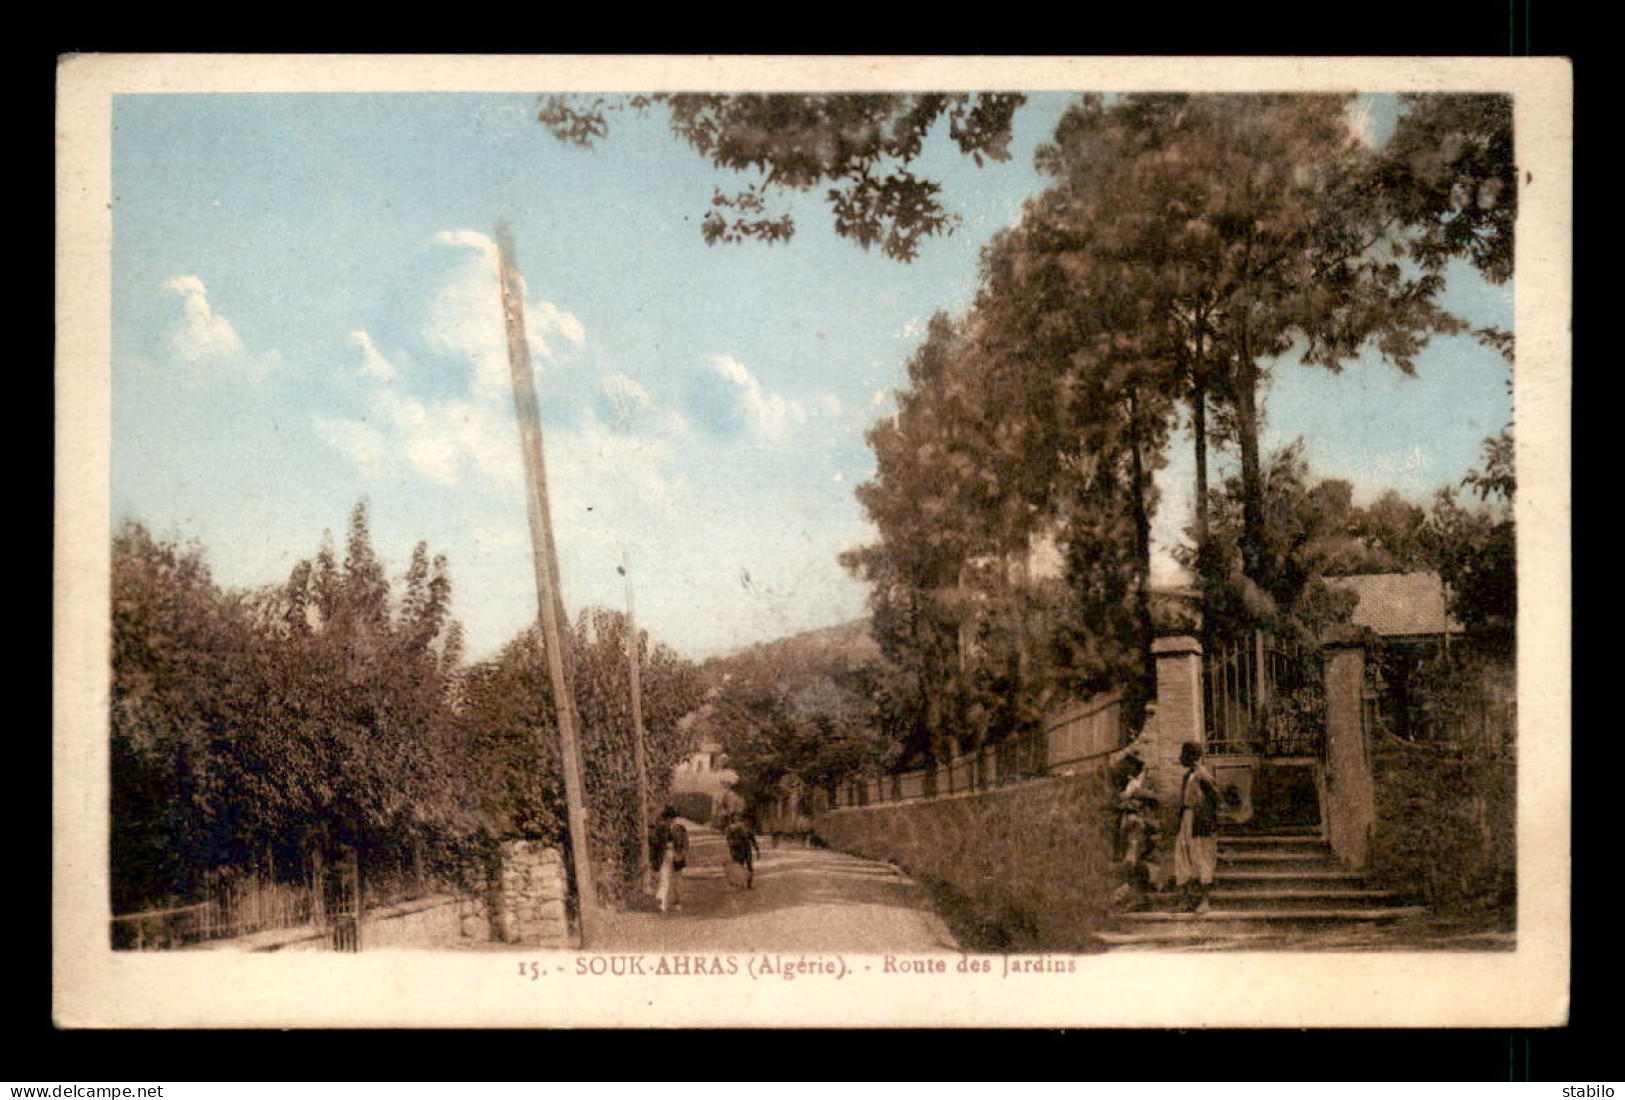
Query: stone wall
pixel 427 921
pixel 529 897
pixel 421 923
pixel 1024 867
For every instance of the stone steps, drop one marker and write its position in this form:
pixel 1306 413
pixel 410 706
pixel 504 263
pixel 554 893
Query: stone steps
pixel 1282 880
pixel 1268 917
pixel 1276 879
pixel 1295 900
pixel 1273 845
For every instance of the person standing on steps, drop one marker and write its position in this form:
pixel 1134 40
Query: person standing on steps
pixel 1196 849
pixel 1137 831
pixel 668 850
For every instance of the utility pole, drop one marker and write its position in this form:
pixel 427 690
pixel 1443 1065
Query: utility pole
pixel 634 648
pixel 550 603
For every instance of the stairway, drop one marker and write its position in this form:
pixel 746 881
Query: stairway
pixel 1286 879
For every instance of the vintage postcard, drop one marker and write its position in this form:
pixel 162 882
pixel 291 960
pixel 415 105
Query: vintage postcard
pixel 789 541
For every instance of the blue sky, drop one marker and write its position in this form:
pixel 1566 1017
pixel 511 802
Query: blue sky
pixel 305 316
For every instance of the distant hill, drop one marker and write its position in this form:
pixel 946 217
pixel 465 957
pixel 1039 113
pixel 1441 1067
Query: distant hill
pixel 844 646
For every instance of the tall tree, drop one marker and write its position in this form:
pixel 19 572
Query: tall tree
pixel 1249 227
pixel 1066 322
pixel 952 501
pixel 915 501
pixel 1476 547
pixel 176 691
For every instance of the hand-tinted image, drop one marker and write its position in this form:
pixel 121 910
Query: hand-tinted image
pixel 882 523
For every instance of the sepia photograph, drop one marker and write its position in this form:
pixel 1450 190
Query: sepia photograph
pixel 801 541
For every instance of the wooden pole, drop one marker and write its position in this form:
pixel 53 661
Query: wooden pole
pixel 634 648
pixel 549 600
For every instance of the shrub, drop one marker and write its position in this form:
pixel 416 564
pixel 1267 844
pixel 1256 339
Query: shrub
pixel 1447 806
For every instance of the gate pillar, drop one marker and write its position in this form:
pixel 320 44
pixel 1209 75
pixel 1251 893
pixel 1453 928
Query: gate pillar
pixel 1179 708
pixel 1349 798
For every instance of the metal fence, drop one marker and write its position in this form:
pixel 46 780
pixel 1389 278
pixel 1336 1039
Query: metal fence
pixel 238 907
pixel 1248 687
pixel 332 895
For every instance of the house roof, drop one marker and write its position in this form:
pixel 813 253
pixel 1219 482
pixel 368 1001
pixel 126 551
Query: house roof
pixel 1396 605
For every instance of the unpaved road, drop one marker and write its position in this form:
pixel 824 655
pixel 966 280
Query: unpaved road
pixel 804 899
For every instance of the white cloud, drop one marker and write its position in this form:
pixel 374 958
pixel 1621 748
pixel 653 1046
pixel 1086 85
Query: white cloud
pixel 359 441
pixel 626 397
pixel 202 334
pixel 472 438
pixel 465 318
pixel 469 238
pixel 373 364
pixel 767 415
pixel 205 345
pixel 546 318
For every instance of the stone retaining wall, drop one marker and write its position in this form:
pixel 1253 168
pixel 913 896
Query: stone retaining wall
pixel 423 922
pixel 527 895
pixel 1024 867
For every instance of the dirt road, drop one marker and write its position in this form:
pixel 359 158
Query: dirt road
pixel 804 899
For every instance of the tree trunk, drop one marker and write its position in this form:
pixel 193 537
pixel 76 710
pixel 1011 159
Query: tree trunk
pixel 1199 431
pixel 930 715
pixel 1017 592
pixel 1142 552
pixel 1252 477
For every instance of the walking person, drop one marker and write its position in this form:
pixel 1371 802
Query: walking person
pixel 1196 849
pixel 742 846
pixel 668 849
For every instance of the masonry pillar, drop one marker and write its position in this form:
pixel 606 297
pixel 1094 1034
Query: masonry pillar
pixel 1350 793
pixel 1179 712
pixel 530 896
pixel 1179 695
pixel 1178 719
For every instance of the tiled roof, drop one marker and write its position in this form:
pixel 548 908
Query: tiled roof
pixel 1399 604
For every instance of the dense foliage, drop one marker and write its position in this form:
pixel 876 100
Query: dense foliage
pixel 1447 804
pixel 508 737
pixel 269 729
pixel 260 729
pixel 806 711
